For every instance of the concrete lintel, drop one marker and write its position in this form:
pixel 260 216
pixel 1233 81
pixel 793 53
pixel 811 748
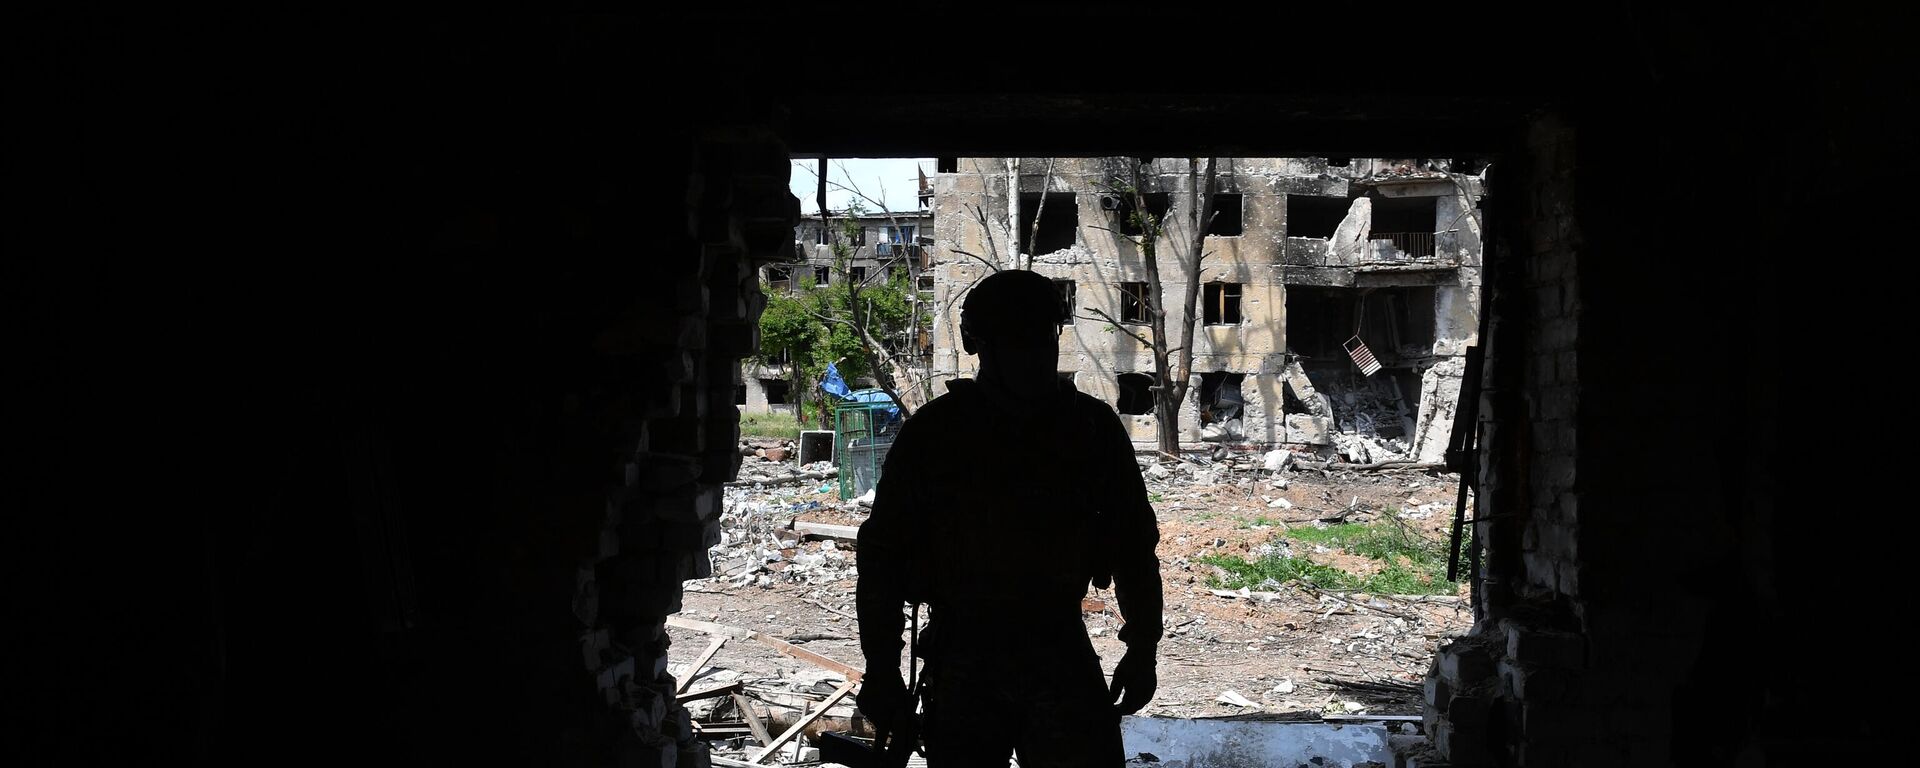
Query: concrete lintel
pixel 1330 277
pixel 1403 278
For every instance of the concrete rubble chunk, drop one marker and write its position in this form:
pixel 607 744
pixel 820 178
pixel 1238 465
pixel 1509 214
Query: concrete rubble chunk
pixel 1309 429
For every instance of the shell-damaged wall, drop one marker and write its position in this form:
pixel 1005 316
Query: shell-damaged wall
pixel 972 237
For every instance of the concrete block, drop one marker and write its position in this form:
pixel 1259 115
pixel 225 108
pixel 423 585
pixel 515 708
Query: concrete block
pixel 1562 650
pixel 1462 746
pixel 1469 711
pixel 685 435
pixel 1438 692
pixel 1309 429
pixel 697 503
pixel 1554 722
pixel 1533 684
pixel 658 472
pixel 1465 664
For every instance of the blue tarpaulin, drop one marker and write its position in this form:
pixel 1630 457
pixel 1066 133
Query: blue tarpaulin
pixel 873 395
pixel 833 384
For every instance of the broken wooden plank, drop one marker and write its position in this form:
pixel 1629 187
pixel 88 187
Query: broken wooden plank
pixel 708 627
pixel 853 674
pixel 846 533
pixel 694 671
pixel 753 720
pixel 729 762
pixel 708 693
pixel 838 694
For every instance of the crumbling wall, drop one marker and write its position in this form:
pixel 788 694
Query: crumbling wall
pixel 1555 667
pixel 681 436
pixel 1101 260
pixel 1261 260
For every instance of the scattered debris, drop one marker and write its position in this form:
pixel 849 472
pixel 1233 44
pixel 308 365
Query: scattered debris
pixel 784 569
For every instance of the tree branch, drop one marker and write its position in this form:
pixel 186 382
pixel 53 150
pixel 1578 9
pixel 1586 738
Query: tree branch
pixel 1046 181
pixel 1117 324
pixel 977 257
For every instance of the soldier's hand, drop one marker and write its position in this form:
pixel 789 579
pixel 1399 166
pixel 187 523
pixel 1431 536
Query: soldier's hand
pixel 1134 680
pixel 882 698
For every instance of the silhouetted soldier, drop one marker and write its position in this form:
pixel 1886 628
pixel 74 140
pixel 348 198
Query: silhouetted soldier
pixel 999 502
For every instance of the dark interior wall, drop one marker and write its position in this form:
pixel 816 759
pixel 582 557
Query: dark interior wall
pixel 322 435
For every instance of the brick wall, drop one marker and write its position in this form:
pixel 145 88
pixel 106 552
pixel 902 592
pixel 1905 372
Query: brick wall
pixel 688 338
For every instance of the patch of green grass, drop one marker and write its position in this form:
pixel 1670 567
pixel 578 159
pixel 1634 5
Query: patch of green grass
pixel 769 425
pixel 1156 498
pixel 1411 564
pixel 1245 573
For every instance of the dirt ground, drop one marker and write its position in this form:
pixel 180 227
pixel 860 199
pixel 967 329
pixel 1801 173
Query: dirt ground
pixel 1289 652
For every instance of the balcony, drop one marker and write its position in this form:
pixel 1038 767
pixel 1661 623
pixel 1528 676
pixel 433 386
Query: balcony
pixel 1419 245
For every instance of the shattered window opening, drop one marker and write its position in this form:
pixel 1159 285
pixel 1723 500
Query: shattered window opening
pixel 1066 290
pixel 1220 398
pixel 1058 223
pixel 1136 394
pixel 1133 302
pixel 776 391
pixel 1227 213
pixel 1157 204
pixel 820 275
pixel 779 279
pixel 1407 222
pixel 1314 216
pixel 858 275
pixel 1222 304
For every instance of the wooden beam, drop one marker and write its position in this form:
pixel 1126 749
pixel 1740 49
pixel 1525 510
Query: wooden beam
pixel 708 693
pixel 705 656
pixel 853 674
pixel 753 721
pixel 707 627
pixel 838 694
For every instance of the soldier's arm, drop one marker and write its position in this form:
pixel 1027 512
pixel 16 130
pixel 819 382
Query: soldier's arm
pixel 884 550
pixel 1132 535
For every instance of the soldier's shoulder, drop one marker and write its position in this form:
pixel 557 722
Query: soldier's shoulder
pixel 1093 407
pixel 946 406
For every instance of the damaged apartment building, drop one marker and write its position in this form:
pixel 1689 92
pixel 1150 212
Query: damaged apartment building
pixel 884 244
pixel 1338 296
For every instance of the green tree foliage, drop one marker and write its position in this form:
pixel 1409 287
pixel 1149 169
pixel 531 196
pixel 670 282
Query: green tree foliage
pixel 821 324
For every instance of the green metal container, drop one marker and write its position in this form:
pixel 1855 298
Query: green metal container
pixel 862 433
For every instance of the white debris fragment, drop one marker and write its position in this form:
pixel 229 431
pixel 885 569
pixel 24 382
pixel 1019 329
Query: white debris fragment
pixel 1235 699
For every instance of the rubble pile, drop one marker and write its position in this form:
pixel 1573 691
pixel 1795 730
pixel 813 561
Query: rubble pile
pixel 758 545
pixel 767 647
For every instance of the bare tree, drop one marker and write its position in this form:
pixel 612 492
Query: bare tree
pixel 908 388
pixel 1172 364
